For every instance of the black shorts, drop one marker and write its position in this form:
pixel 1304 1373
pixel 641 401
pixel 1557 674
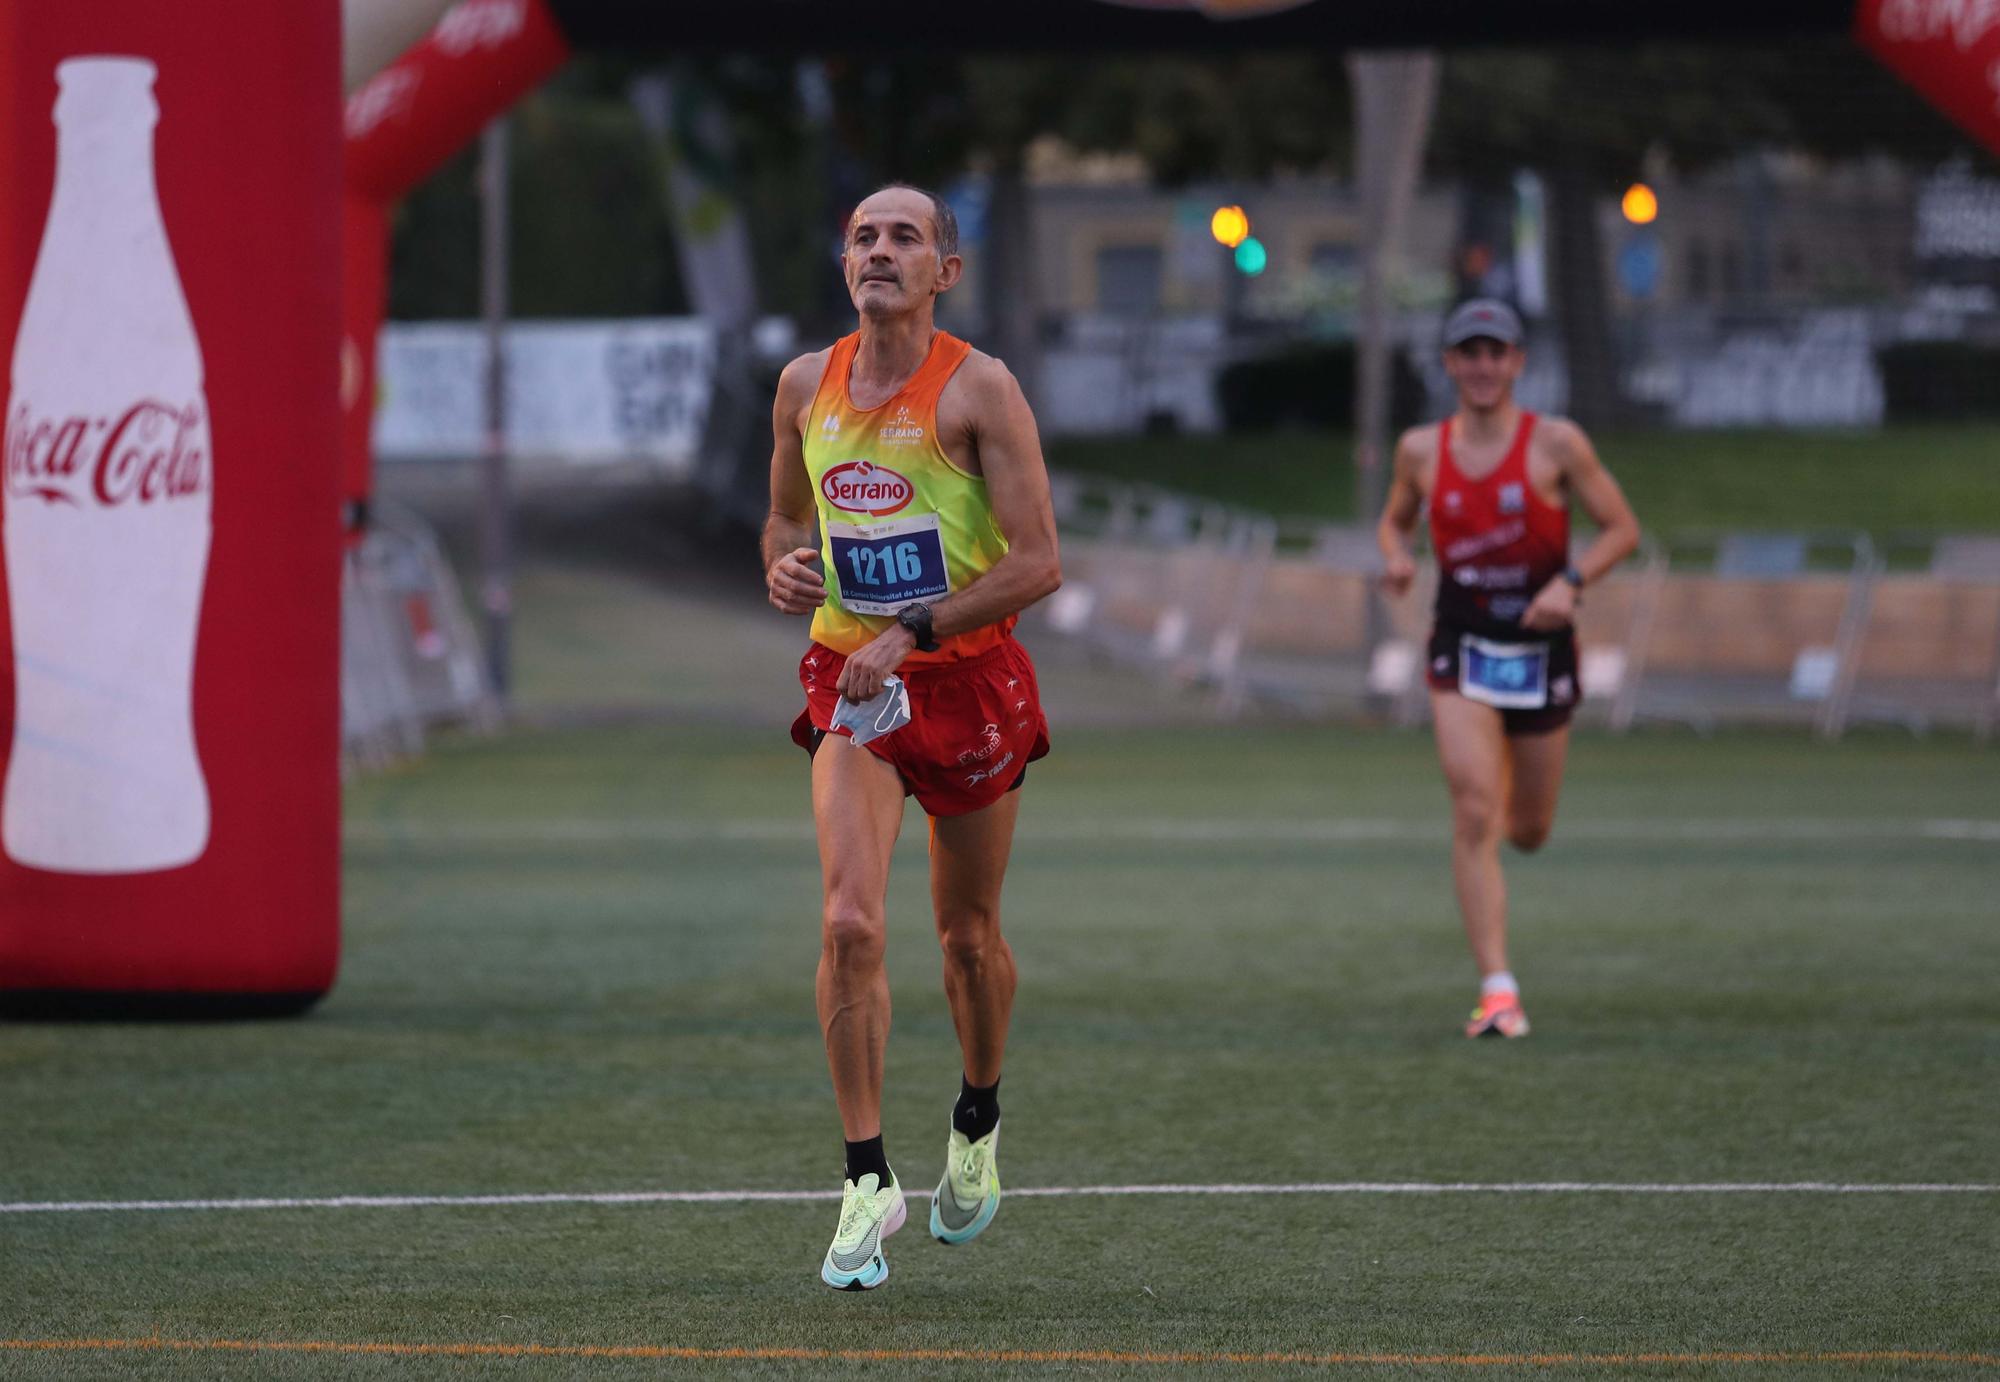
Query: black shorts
pixel 1565 688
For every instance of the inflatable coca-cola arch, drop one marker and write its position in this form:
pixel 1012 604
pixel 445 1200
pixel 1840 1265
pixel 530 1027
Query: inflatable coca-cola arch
pixel 175 190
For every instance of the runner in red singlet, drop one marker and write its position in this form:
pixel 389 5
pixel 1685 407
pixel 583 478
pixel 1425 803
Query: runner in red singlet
pixel 1502 659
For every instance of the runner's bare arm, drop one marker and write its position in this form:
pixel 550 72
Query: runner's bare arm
pixel 1554 606
pixel 1617 526
pixel 791 583
pixel 1017 485
pixel 1399 516
pixel 1002 430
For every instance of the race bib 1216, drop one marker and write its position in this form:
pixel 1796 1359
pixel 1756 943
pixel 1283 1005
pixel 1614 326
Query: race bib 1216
pixel 884 566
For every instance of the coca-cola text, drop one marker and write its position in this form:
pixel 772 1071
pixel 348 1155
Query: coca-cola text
pixel 150 452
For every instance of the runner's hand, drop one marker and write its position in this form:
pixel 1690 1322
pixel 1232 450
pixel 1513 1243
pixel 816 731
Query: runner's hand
pixel 864 672
pixel 1397 573
pixel 1554 608
pixel 793 585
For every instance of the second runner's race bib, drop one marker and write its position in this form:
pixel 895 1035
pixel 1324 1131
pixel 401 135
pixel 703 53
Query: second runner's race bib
pixel 884 566
pixel 1507 676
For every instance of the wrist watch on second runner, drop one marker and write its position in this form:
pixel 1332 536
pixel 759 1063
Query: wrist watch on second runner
pixel 1574 575
pixel 917 619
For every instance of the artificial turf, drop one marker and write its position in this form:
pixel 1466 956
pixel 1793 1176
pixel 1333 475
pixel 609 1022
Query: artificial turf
pixel 581 961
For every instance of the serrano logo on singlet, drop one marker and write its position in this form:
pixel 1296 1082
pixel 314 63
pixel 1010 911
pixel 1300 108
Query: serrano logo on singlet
pixel 864 487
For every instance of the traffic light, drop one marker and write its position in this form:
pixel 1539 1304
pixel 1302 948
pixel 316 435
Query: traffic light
pixel 1229 225
pixel 1641 205
pixel 1251 256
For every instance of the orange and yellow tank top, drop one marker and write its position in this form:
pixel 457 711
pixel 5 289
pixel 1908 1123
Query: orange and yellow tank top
pixel 898 522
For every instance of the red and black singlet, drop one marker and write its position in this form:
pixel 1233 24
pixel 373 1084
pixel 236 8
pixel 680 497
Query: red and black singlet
pixel 1497 541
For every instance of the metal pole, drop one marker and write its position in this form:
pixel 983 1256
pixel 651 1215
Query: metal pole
pixel 496 596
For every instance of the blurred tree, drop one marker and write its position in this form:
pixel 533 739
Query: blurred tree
pixel 1242 115
pixel 926 119
pixel 591 229
pixel 434 255
pixel 590 235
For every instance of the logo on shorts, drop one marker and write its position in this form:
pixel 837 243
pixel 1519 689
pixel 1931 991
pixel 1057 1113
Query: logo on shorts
pixel 1563 689
pixel 864 487
pixel 1512 499
pixel 987 774
pixel 989 743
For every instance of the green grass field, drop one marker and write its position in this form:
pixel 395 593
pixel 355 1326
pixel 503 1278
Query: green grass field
pixel 581 961
pixel 1932 478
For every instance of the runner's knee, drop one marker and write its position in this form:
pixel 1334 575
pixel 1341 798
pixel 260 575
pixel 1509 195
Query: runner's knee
pixel 852 938
pixel 1475 814
pixel 1529 834
pixel 970 938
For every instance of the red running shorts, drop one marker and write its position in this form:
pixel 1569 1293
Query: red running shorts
pixel 975 725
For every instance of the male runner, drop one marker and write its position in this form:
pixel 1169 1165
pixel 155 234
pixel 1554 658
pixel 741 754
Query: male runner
pixel 920 457
pixel 1502 661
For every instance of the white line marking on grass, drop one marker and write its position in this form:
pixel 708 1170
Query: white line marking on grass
pixel 1355 1187
pixel 1963 830
pixel 1166 830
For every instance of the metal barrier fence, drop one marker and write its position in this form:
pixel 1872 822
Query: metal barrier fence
pixel 1704 629
pixel 409 658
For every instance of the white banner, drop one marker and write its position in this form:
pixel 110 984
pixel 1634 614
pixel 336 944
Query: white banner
pixel 585 393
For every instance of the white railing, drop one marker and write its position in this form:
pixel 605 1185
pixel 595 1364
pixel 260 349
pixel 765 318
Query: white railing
pixel 1815 629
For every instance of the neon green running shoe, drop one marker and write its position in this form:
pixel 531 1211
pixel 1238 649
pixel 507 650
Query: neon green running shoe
pixel 966 1199
pixel 869 1212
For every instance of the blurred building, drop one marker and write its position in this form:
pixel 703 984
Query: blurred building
pixel 1756 292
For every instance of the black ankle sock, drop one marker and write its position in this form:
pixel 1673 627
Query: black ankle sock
pixel 866 1156
pixel 977 1112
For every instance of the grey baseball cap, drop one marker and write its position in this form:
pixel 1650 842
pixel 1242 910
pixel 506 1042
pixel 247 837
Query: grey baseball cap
pixel 1488 317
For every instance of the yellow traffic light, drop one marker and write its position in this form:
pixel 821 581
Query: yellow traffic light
pixel 1229 225
pixel 1641 207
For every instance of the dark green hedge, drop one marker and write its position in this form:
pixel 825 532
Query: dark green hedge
pixel 1939 379
pixel 1308 386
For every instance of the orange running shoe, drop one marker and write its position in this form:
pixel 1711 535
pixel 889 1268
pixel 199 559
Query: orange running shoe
pixel 1498 1015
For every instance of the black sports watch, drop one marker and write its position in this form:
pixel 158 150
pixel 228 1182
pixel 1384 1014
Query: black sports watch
pixel 1574 576
pixel 917 619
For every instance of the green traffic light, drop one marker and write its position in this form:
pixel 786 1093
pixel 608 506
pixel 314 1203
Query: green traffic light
pixel 1251 256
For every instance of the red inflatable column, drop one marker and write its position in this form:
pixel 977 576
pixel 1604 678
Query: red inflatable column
pixel 1946 49
pixel 169 632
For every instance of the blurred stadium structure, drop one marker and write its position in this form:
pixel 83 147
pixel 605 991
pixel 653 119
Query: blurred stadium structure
pixel 1763 235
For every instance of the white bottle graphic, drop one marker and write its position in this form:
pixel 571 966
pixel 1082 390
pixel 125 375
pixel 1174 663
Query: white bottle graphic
pixel 107 518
